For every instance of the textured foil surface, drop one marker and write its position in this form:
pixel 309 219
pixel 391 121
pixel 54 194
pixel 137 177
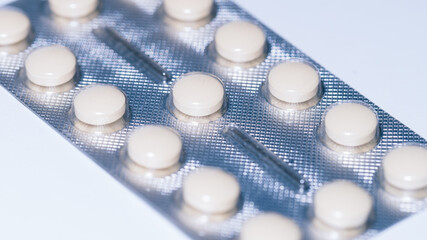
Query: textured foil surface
pixel 290 135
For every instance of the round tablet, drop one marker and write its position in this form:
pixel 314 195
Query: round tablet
pixel 99 105
pixel 154 147
pixel 211 190
pixel 406 167
pixel 342 205
pixel 271 226
pixel 198 94
pixel 51 66
pixel 293 82
pixel 14 26
pixel 188 10
pixel 73 8
pixel 351 124
pixel 240 41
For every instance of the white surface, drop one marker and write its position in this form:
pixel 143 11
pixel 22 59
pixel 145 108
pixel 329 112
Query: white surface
pixel 14 26
pixel 342 205
pixel 198 94
pixel 378 47
pixel 406 167
pixel 73 8
pixel 270 226
pixel 154 147
pixel 351 124
pixel 240 41
pixel 211 190
pixel 293 82
pixel 188 10
pixel 51 66
pixel 99 104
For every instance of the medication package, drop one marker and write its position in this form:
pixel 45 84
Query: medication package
pixel 202 111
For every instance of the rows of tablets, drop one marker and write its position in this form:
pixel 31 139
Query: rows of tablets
pixel 339 206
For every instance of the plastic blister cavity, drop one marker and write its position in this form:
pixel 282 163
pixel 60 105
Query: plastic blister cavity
pixel 197 98
pixel 404 172
pixel 100 109
pixel 153 151
pixel 188 10
pixel 293 85
pixel 15 31
pixel 350 127
pixel 341 210
pixel 73 9
pixel 232 49
pixel 270 226
pixel 50 69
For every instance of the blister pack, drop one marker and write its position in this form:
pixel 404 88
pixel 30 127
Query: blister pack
pixel 205 113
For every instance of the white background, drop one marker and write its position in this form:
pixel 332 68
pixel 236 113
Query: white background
pixel 50 191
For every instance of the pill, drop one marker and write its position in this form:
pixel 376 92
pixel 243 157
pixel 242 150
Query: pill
pixel 271 226
pixel 99 105
pixel 198 94
pixel 51 66
pixel 14 26
pixel 154 147
pixel 240 41
pixel 342 205
pixel 351 124
pixel 73 8
pixel 293 82
pixel 211 191
pixel 406 167
pixel 188 10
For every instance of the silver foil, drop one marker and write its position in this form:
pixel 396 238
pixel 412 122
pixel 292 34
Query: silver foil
pixel 291 135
